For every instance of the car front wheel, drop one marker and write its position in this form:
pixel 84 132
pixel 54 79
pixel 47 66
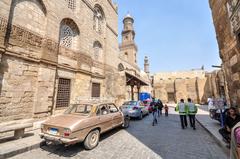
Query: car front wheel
pixel 92 140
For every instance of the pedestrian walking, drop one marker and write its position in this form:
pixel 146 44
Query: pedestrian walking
pixel 166 109
pixel 160 107
pixel 182 109
pixel 192 111
pixel 153 104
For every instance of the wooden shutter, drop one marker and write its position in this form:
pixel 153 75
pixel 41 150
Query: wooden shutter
pixel 96 90
pixel 63 94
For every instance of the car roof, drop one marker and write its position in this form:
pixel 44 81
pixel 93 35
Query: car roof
pixel 93 103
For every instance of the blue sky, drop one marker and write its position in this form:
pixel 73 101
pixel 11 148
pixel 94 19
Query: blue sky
pixel 175 34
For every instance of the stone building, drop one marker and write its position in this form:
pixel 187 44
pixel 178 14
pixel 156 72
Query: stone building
pixel 195 84
pixel 58 52
pixel 226 19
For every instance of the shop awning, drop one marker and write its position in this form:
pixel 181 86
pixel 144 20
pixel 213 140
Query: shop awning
pixel 133 80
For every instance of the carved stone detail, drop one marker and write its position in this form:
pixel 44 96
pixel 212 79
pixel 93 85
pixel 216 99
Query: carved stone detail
pixel 50 50
pixel 234 14
pixel 3 28
pixel 84 59
pixel 47 47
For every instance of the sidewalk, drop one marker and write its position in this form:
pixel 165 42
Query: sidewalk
pixel 211 126
pixel 15 147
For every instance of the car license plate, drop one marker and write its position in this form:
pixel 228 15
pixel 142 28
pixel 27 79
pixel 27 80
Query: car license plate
pixel 53 131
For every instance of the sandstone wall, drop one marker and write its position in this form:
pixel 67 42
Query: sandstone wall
pixel 32 61
pixel 44 95
pixel 197 85
pixel 42 41
pixel 19 82
pixel 226 22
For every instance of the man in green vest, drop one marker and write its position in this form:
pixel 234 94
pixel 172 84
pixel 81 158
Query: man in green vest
pixel 182 109
pixel 192 111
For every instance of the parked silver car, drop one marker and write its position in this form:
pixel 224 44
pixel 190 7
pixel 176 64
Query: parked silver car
pixel 135 109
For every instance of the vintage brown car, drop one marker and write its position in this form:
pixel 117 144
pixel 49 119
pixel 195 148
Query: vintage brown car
pixel 83 123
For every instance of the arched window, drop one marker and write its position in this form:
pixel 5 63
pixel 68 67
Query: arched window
pixel 98 19
pixel 66 36
pixel 71 4
pixel 69 34
pixel 97 50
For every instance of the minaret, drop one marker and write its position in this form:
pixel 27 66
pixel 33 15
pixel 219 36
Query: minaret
pixel 128 47
pixel 146 65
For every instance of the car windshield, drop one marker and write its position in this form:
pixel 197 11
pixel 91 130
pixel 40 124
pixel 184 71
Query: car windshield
pixel 79 109
pixel 131 103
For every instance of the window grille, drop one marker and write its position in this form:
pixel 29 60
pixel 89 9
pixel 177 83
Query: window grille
pixel 98 19
pixel 63 93
pixel 71 4
pixel 96 90
pixel 66 36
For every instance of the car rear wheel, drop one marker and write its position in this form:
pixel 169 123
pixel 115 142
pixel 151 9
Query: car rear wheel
pixel 92 140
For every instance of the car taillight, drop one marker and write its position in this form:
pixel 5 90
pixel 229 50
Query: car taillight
pixel 135 108
pixel 66 132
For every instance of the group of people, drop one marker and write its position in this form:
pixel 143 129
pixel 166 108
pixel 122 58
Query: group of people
pixel 157 108
pixel 184 109
pixel 187 109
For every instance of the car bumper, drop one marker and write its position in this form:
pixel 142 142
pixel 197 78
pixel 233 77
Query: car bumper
pixel 58 140
pixel 134 114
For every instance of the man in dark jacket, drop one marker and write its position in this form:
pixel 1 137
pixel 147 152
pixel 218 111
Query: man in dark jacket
pixel 153 104
pixel 160 107
pixel 231 120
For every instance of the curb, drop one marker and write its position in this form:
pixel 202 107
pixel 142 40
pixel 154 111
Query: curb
pixel 15 152
pixel 223 146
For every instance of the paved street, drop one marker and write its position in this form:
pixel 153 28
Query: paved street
pixel 142 141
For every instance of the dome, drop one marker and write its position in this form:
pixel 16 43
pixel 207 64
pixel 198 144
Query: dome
pixel 128 16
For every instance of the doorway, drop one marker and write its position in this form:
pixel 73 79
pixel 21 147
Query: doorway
pixel 171 97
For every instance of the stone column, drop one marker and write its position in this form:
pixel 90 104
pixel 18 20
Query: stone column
pixel 132 92
pixel 138 90
pixel 132 83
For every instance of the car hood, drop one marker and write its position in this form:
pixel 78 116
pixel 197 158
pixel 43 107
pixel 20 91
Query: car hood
pixel 65 121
